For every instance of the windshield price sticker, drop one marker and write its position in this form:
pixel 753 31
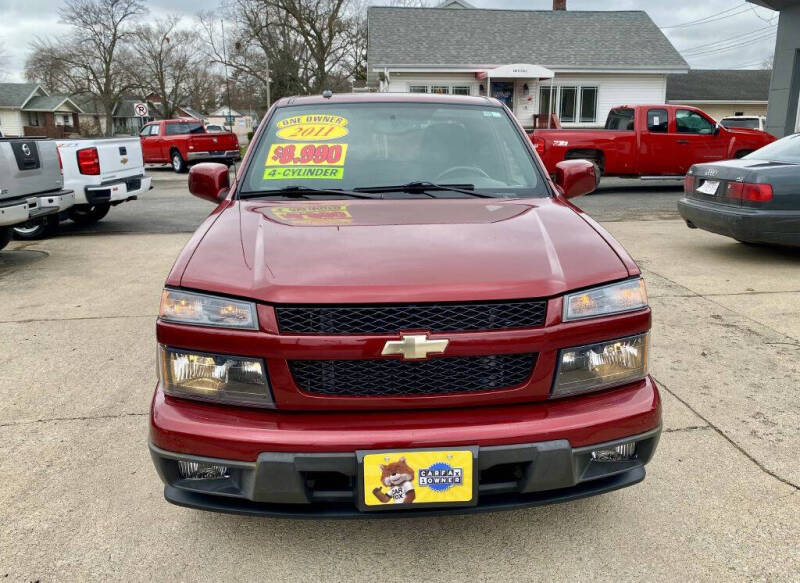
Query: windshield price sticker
pixel 307 155
pixel 304 173
pixel 312 127
pixel 305 161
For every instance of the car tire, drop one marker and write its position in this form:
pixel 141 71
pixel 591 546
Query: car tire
pixel 178 163
pixel 37 228
pixel 5 236
pixel 88 215
pixel 742 153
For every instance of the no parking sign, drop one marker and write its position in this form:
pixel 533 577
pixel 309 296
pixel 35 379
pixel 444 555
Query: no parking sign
pixel 140 109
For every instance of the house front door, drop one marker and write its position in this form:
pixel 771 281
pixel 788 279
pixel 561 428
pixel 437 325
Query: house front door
pixel 504 91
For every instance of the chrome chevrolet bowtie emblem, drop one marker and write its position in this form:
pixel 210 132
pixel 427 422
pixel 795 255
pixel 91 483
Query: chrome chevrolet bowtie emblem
pixel 415 346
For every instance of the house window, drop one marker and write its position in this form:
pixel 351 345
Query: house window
pixel 588 110
pixel 441 89
pixel 572 103
pixel 566 108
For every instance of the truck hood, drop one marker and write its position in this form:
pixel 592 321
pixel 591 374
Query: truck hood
pixel 420 250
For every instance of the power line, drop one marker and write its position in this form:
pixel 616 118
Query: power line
pixel 732 46
pixel 711 17
pixel 740 37
pixel 746 65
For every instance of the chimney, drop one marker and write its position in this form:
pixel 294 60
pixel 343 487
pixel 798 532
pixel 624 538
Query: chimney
pixel 559 4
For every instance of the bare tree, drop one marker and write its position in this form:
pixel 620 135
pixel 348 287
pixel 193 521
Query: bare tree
pixel 323 27
pixel 286 47
pixel 93 58
pixel 166 61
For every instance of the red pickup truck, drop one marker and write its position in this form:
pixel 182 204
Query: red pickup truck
pixel 394 309
pixel 182 142
pixel 648 141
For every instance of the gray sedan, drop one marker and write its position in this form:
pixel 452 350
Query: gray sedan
pixel 755 199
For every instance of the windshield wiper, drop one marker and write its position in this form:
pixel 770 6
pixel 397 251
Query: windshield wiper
pixel 303 192
pixel 422 186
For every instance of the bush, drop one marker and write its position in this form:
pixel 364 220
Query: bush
pixel 250 136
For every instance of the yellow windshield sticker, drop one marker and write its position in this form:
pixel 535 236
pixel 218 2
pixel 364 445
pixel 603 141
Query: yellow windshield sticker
pixel 304 173
pixel 312 127
pixel 328 214
pixel 300 161
pixel 307 155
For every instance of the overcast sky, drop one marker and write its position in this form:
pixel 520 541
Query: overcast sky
pixel 735 35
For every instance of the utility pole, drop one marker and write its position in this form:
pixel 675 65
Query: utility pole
pixel 227 81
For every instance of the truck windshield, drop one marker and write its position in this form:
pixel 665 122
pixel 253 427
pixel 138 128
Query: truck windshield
pixel 377 146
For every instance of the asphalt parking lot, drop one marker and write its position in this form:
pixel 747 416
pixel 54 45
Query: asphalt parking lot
pixel 80 500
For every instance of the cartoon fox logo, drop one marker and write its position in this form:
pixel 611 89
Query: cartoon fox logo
pixel 399 478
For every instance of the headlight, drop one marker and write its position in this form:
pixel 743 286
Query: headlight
pixel 214 377
pixel 202 310
pixel 616 298
pixel 598 366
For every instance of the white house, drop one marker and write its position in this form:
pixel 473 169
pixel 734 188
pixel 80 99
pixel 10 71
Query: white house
pixel 575 64
pixel 28 110
pixel 240 124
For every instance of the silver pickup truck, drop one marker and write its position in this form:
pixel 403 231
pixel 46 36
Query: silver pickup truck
pixel 31 184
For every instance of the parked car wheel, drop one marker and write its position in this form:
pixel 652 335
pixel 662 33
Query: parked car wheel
pixel 37 228
pixel 5 236
pixel 178 163
pixel 88 215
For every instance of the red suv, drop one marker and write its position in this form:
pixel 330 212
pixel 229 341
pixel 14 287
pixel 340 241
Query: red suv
pixel 393 309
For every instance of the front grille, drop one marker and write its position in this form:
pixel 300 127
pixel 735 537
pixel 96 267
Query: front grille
pixel 391 319
pixel 391 377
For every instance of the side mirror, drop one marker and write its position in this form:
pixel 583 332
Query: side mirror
pixel 717 127
pixel 576 177
pixel 209 181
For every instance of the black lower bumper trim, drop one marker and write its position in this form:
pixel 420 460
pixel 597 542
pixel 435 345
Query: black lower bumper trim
pixel 778 227
pixel 485 503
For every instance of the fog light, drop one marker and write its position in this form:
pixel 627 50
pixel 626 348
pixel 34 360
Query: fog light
pixel 620 453
pixel 201 471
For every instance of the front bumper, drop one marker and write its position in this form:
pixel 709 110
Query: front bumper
pixel 117 191
pixel 325 485
pixel 779 227
pixel 25 209
pixel 304 464
pixel 217 155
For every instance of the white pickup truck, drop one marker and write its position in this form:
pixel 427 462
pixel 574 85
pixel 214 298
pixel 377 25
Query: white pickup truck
pixel 103 173
pixel 31 184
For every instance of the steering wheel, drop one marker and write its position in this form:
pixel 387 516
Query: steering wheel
pixel 454 169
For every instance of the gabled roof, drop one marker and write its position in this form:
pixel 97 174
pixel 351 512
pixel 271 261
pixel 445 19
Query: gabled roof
pixel 719 85
pixel 16 94
pixel 556 39
pixel 89 104
pixel 191 112
pixel 50 103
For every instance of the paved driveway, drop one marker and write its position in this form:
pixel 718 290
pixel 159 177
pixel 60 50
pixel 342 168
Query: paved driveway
pixel 80 500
